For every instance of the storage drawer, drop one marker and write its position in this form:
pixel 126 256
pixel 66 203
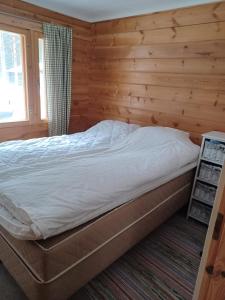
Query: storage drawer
pixel 205 193
pixel 200 212
pixel 214 151
pixel 209 172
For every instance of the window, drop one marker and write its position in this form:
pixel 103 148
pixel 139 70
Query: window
pixel 43 104
pixel 22 80
pixel 12 77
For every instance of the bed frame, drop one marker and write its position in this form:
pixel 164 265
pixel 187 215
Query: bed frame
pixel 56 268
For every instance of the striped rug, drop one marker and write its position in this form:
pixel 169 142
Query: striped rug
pixel 163 266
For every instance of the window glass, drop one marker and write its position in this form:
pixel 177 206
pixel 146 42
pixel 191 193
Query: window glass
pixel 43 103
pixel 12 83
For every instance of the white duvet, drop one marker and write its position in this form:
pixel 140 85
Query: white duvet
pixel 103 135
pixel 55 197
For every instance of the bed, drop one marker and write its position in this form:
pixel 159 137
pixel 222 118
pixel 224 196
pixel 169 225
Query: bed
pixel 54 263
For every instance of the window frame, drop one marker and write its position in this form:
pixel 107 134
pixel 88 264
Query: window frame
pixel 31 76
pixel 38 35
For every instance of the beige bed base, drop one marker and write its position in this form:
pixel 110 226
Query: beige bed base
pixel 54 269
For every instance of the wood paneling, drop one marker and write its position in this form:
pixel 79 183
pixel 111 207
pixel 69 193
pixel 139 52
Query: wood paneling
pixel 27 16
pixel 171 65
pixel 40 14
pixel 213 49
pixel 23 131
pixel 165 68
pixel 185 34
pixel 180 17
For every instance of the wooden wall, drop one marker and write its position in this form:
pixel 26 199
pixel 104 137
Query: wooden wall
pixel 165 68
pixel 18 13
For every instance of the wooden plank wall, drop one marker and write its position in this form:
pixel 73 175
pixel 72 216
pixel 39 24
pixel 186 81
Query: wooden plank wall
pixel 165 68
pixel 18 13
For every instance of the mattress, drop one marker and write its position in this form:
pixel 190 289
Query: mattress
pixel 44 203
pixel 51 259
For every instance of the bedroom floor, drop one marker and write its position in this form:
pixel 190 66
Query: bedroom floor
pixel 163 266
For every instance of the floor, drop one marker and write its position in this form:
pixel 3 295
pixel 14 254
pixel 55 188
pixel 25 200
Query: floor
pixel 162 267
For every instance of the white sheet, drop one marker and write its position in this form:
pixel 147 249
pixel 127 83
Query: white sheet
pixel 56 197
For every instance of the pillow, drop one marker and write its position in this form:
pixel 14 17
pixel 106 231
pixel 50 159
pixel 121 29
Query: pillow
pixel 155 135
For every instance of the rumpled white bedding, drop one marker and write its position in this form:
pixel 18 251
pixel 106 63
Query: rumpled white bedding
pixel 102 135
pixel 53 198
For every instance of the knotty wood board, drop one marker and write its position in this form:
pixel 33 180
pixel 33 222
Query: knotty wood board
pixel 165 68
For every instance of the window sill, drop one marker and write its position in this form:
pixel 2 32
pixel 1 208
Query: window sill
pixel 14 124
pixel 23 124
